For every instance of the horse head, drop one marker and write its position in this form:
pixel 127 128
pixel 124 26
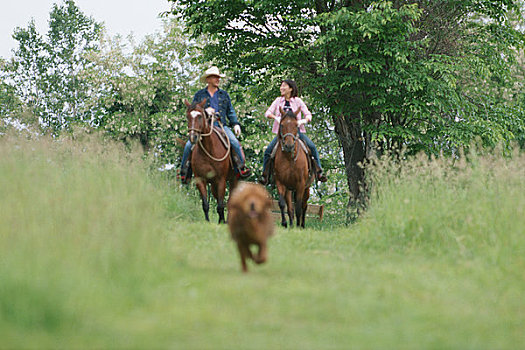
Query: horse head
pixel 288 130
pixel 197 120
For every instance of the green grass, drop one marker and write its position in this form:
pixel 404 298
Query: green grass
pixel 99 252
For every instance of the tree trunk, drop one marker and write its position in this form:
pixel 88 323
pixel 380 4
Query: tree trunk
pixel 351 137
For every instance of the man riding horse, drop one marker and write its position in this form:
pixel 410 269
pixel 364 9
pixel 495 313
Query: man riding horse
pixel 218 102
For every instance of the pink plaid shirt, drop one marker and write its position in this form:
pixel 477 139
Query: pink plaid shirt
pixel 296 103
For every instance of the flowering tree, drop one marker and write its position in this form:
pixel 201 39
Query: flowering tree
pixel 137 90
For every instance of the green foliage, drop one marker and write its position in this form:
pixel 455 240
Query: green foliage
pixel 46 71
pixel 79 218
pixel 14 116
pixel 9 103
pixel 389 75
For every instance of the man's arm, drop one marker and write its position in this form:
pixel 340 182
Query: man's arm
pixel 230 112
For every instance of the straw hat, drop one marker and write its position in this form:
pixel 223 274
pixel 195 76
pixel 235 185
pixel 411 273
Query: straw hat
pixel 211 71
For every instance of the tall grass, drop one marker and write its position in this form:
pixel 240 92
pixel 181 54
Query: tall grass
pixel 82 230
pixel 97 251
pixel 459 207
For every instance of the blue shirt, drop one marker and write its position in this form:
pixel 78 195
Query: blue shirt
pixel 214 101
pixel 224 105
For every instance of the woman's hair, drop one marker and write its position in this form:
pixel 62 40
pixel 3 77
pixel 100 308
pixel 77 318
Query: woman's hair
pixel 293 85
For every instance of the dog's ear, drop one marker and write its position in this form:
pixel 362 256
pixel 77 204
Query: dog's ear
pixel 233 205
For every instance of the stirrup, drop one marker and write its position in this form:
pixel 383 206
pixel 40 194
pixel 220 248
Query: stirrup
pixel 183 179
pixel 245 172
pixel 184 176
pixel 263 180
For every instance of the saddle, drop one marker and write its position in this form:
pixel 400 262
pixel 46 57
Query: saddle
pixel 301 143
pixel 222 135
pixel 234 158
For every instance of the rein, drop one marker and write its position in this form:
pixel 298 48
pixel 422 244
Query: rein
pixel 228 147
pixel 295 137
pixel 212 129
pixel 200 130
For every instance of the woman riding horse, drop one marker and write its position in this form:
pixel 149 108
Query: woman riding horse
pixel 291 169
pixel 288 101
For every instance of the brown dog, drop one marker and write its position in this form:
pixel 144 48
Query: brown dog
pixel 250 221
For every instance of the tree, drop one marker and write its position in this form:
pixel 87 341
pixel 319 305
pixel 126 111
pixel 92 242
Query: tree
pixel 14 114
pixel 137 90
pixel 28 66
pixel 46 71
pixel 390 74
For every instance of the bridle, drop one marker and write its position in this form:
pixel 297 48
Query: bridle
pixel 201 135
pixel 294 137
pixel 199 131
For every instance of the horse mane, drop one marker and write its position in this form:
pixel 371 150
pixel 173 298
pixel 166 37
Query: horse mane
pixel 288 114
pixel 194 105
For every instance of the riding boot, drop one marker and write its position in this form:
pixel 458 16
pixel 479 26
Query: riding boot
pixel 265 175
pixel 185 173
pixel 319 174
pixel 244 172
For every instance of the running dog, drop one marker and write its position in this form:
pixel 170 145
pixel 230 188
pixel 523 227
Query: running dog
pixel 250 221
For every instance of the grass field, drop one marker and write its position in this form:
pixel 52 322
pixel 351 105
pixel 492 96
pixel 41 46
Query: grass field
pixel 98 252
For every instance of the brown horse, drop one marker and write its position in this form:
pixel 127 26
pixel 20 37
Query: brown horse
pixel 210 157
pixel 291 170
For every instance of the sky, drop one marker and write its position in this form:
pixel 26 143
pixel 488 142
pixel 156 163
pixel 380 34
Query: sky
pixel 124 17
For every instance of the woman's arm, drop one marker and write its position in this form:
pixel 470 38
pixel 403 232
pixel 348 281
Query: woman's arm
pixel 304 109
pixel 272 110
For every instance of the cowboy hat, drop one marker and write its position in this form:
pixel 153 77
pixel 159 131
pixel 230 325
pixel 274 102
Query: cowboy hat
pixel 211 71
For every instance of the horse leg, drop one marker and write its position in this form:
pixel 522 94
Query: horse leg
pixel 299 209
pixel 282 205
pixel 282 190
pixel 201 186
pixel 290 206
pixel 305 205
pixel 219 193
pixel 232 182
